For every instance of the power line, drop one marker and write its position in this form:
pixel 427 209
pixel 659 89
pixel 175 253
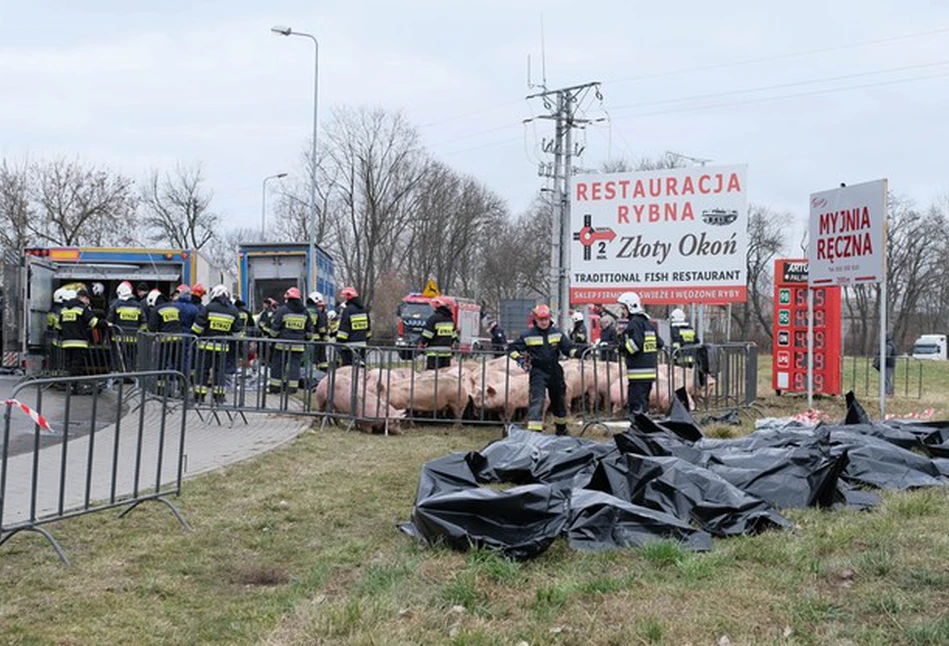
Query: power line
pixel 777 57
pixel 765 88
pixel 785 96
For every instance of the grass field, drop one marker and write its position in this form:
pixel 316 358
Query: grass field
pixel 300 547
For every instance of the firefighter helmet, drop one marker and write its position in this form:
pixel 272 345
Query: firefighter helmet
pixel 331 315
pixel 631 301
pixel 541 312
pixel 677 316
pixel 316 297
pixel 578 317
pixel 439 301
pixel 124 290
pixel 218 291
pixel 152 299
pixel 59 296
pixel 293 292
pixel 198 290
pixel 348 292
pixel 98 289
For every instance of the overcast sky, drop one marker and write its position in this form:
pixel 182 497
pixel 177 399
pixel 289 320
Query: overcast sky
pixel 132 88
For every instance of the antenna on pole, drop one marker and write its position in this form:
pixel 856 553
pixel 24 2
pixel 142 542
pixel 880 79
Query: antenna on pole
pixel 543 54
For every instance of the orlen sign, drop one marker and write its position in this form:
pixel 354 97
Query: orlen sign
pixel 848 234
pixel 674 236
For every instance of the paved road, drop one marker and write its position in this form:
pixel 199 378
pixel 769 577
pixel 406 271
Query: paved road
pixel 53 407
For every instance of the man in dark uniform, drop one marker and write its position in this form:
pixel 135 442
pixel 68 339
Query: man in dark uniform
pixel 292 327
pixel 579 332
pixel 438 335
pixel 56 366
pixel 609 338
pixel 354 326
pixel 640 343
pixel 164 319
pixel 127 317
pixel 498 338
pixel 316 306
pixel 683 338
pixel 218 319
pixel 76 322
pixel 538 350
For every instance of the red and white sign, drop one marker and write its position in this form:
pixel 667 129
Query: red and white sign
pixel 848 235
pixel 674 236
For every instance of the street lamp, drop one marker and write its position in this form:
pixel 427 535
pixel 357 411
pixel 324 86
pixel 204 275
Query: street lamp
pixel 287 31
pixel 263 204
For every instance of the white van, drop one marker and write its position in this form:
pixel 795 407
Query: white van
pixel 930 346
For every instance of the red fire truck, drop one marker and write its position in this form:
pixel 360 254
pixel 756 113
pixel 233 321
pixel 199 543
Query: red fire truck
pixel 417 307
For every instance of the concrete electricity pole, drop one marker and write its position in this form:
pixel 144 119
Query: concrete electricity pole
pixel 562 111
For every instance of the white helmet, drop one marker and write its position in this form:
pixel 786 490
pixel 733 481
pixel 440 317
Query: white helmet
pixel 218 291
pixel 59 296
pixel 152 299
pixel 677 316
pixel 631 301
pixel 331 315
pixel 124 290
pixel 98 289
pixel 577 317
pixel 316 297
pixel 69 294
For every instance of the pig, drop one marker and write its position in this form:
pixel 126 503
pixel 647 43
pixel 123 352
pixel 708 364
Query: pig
pixel 370 413
pixel 493 399
pixel 597 379
pixel 420 394
pixel 572 376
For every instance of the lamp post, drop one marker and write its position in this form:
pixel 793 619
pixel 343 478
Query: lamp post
pixel 287 31
pixel 263 204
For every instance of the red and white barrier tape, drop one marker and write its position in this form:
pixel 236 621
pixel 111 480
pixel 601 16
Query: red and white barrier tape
pixel 36 417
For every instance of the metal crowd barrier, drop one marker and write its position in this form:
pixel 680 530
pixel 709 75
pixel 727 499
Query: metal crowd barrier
pixel 74 459
pixel 863 379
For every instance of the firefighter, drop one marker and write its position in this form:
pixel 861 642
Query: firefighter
pixel 164 319
pixel 683 339
pixel 316 306
pixel 127 317
pixel 609 339
pixel 538 350
pixel 264 325
pixel 640 343
pixel 438 335
pixel 76 322
pixel 52 331
pixel 218 319
pixel 354 326
pixel 579 332
pixel 498 338
pixel 141 295
pixel 291 326
pixel 333 325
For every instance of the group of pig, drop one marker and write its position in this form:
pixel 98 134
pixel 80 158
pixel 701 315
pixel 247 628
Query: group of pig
pixel 378 398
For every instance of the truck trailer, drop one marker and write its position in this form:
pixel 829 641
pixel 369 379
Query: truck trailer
pixel 45 269
pixel 267 270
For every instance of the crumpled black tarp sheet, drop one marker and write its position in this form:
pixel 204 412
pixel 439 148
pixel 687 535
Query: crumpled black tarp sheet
pixel 662 480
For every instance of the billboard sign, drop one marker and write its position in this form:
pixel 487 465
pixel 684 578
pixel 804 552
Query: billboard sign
pixel 676 235
pixel 848 235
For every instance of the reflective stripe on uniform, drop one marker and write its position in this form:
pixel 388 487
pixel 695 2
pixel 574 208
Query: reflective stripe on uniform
pixel 641 374
pixel 359 322
pixel 535 426
pixel 534 340
pixel 428 334
pixel 445 329
pixel 554 338
pixel 631 346
pixel 74 343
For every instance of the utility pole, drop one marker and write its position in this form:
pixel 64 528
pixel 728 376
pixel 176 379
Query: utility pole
pixel 562 111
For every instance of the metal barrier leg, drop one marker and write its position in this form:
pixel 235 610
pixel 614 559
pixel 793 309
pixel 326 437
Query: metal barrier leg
pixel 45 534
pixel 174 510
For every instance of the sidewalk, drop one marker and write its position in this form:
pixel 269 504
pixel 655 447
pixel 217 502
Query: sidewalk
pixel 208 446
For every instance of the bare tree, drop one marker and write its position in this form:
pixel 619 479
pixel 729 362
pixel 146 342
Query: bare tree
pixel 377 164
pixel 293 204
pixel 767 237
pixel 16 212
pixel 79 204
pixel 177 208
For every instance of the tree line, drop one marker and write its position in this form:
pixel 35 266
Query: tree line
pixel 393 215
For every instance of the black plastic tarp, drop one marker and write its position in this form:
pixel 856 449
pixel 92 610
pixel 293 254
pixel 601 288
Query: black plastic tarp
pixel 662 480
